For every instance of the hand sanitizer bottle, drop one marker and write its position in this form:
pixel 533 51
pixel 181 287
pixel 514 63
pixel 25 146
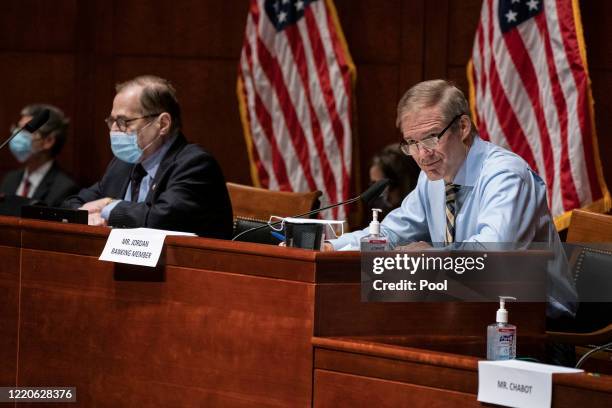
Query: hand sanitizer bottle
pixel 501 336
pixel 374 241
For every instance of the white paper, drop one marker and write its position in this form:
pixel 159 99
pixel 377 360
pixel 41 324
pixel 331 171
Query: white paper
pixel 515 383
pixel 136 246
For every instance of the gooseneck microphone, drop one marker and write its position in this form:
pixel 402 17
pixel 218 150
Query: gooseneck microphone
pixel 367 196
pixel 32 126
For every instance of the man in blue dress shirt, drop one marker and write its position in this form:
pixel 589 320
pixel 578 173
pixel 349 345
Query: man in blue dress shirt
pixel 469 190
pixel 498 198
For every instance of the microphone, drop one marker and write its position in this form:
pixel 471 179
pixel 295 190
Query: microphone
pixel 32 126
pixel 367 196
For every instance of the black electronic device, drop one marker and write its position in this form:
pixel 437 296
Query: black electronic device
pixel 65 215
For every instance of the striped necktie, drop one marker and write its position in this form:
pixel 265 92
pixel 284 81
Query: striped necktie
pixel 451 206
pixel 27 184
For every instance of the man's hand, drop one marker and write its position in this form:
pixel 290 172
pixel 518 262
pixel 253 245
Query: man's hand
pixel 96 206
pixel 96 220
pixel 413 246
pixel 327 247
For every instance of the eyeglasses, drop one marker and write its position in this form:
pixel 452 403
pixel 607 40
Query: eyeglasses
pixel 412 147
pixel 122 123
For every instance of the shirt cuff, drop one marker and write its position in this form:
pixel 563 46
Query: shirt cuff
pixel 105 213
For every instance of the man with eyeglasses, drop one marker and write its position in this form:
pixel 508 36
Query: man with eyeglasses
pixel 157 179
pixel 41 178
pixel 469 190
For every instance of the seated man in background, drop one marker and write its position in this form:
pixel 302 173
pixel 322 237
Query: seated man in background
pixel 157 179
pixel 401 171
pixel 41 178
pixel 469 190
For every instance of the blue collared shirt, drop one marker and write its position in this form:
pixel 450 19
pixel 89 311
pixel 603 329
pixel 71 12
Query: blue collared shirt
pixel 501 200
pixel 150 164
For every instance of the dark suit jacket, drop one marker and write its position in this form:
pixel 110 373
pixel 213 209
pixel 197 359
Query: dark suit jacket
pixel 188 194
pixel 52 190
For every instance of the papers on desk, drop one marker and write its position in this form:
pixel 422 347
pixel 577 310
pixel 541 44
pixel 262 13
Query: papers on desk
pixel 136 246
pixel 515 383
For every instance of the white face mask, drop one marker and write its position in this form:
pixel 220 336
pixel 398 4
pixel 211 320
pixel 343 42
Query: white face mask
pixel 328 223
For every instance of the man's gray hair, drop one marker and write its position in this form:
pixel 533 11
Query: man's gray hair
pixel 158 95
pixel 57 125
pixel 436 92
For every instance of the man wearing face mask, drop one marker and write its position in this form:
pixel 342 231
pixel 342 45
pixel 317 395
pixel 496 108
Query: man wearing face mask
pixel 41 178
pixel 157 179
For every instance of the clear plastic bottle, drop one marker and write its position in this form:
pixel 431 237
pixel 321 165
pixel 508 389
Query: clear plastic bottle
pixel 374 241
pixel 501 336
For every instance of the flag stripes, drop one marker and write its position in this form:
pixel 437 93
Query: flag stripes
pixel 295 86
pixel 530 92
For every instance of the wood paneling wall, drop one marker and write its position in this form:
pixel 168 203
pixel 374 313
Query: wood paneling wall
pixel 71 53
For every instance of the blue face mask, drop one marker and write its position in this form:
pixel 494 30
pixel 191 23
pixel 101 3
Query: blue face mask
pixel 125 146
pixel 21 146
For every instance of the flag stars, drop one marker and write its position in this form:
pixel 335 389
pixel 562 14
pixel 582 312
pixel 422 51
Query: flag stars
pixel 516 1
pixel 299 5
pixel 532 4
pixel 282 17
pixel 511 16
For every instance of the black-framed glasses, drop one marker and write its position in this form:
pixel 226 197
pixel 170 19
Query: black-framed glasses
pixel 412 147
pixel 122 123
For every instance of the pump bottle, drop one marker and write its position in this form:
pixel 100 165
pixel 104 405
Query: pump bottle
pixel 501 336
pixel 374 241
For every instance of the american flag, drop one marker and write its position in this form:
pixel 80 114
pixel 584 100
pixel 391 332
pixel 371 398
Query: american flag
pixel 530 92
pixel 294 87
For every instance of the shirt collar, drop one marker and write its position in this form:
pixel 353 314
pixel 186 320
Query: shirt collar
pixel 37 175
pixel 151 163
pixel 470 169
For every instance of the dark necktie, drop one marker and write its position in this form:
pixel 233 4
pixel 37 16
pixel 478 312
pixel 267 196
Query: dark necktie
pixel 138 172
pixel 26 186
pixel 451 206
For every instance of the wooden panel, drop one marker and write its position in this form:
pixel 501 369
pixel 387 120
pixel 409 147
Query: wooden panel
pixel 602 94
pixel 597 31
pixel 206 91
pixel 200 338
pixel 436 39
pixel 35 25
pixel 463 19
pixel 376 111
pixel 369 23
pixel 586 226
pixel 363 371
pixel 336 389
pixel 191 28
pixel 9 309
pixel 391 369
pixel 340 312
pixel 412 48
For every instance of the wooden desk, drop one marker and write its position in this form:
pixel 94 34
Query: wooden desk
pixel 220 324
pixel 423 371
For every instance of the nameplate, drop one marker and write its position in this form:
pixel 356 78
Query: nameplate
pixel 515 383
pixel 137 246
